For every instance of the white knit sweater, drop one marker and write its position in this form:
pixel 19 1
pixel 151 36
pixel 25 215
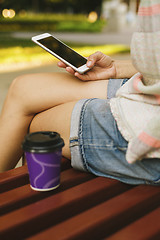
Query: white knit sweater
pixel 136 106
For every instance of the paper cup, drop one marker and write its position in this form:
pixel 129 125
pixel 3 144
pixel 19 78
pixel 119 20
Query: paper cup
pixel 43 152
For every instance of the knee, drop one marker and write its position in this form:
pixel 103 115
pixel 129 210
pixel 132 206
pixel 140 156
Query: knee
pixel 17 86
pixel 18 90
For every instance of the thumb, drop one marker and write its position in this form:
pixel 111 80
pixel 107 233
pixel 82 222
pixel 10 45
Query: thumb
pixel 99 59
pixel 93 58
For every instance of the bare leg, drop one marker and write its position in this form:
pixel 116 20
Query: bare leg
pixel 46 121
pixel 32 94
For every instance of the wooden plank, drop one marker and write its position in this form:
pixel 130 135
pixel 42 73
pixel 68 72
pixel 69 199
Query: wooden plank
pixel 106 218
pixel 65 164
pixel 54 209
pixel 14 178
pixel 19 176
pixel 145 228
pixel 24 195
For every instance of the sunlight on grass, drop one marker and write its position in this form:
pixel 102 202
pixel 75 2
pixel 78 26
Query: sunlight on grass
pixel 39 56
pixel 19 54
pixel 106 49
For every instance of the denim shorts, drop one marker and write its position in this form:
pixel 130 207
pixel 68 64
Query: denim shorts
pixel 98 147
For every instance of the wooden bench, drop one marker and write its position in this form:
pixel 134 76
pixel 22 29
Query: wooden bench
pixel 83 207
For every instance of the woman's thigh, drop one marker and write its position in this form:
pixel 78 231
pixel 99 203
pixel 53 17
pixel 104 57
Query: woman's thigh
pixel 39 92
pixel 56 119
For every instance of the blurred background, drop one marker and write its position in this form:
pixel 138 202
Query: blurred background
pixel 85 25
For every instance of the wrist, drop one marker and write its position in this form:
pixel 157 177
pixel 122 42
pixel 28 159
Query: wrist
pixel 124 69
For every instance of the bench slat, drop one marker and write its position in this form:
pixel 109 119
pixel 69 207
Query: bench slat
pixel 106 218
pixel 65 164
pixel 19 176
pixel 83 207
pixel 24 195
pixel 14 178
pixel 52 210
pixel 147 227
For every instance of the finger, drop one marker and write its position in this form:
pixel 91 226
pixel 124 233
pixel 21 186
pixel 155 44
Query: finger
pixel 99 59
pixel 70 70
pixel 93 58
pixel 61 64
pixel 83 77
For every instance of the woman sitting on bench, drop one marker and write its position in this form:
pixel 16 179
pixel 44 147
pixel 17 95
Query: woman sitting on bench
pixel 108 117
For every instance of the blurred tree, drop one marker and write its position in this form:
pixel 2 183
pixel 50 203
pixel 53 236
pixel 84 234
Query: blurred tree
pixel 35 5
pixel 76 6
pixel 86 6
pixel 23 4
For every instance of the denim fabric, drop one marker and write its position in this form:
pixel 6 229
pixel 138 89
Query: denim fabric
pixel 114 85
pixel 98 147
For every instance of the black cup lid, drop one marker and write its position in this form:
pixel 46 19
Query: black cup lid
pixel 44 141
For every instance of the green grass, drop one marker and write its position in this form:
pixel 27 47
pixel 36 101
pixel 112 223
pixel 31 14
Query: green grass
pixel 24 51
pixel 13 51
pixel 30 54
pixel 51 22
pixel 44 17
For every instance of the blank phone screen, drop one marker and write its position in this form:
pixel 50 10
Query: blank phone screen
pixel 63 51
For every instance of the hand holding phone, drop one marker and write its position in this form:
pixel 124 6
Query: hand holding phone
pixel 61 51
pixel 101 66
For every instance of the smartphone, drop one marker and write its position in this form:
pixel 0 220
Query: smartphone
pixel 61 51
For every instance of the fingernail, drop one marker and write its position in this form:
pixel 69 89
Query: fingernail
pixel 89 64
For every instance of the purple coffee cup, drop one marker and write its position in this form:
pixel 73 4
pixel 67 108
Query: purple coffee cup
pixel 43 152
